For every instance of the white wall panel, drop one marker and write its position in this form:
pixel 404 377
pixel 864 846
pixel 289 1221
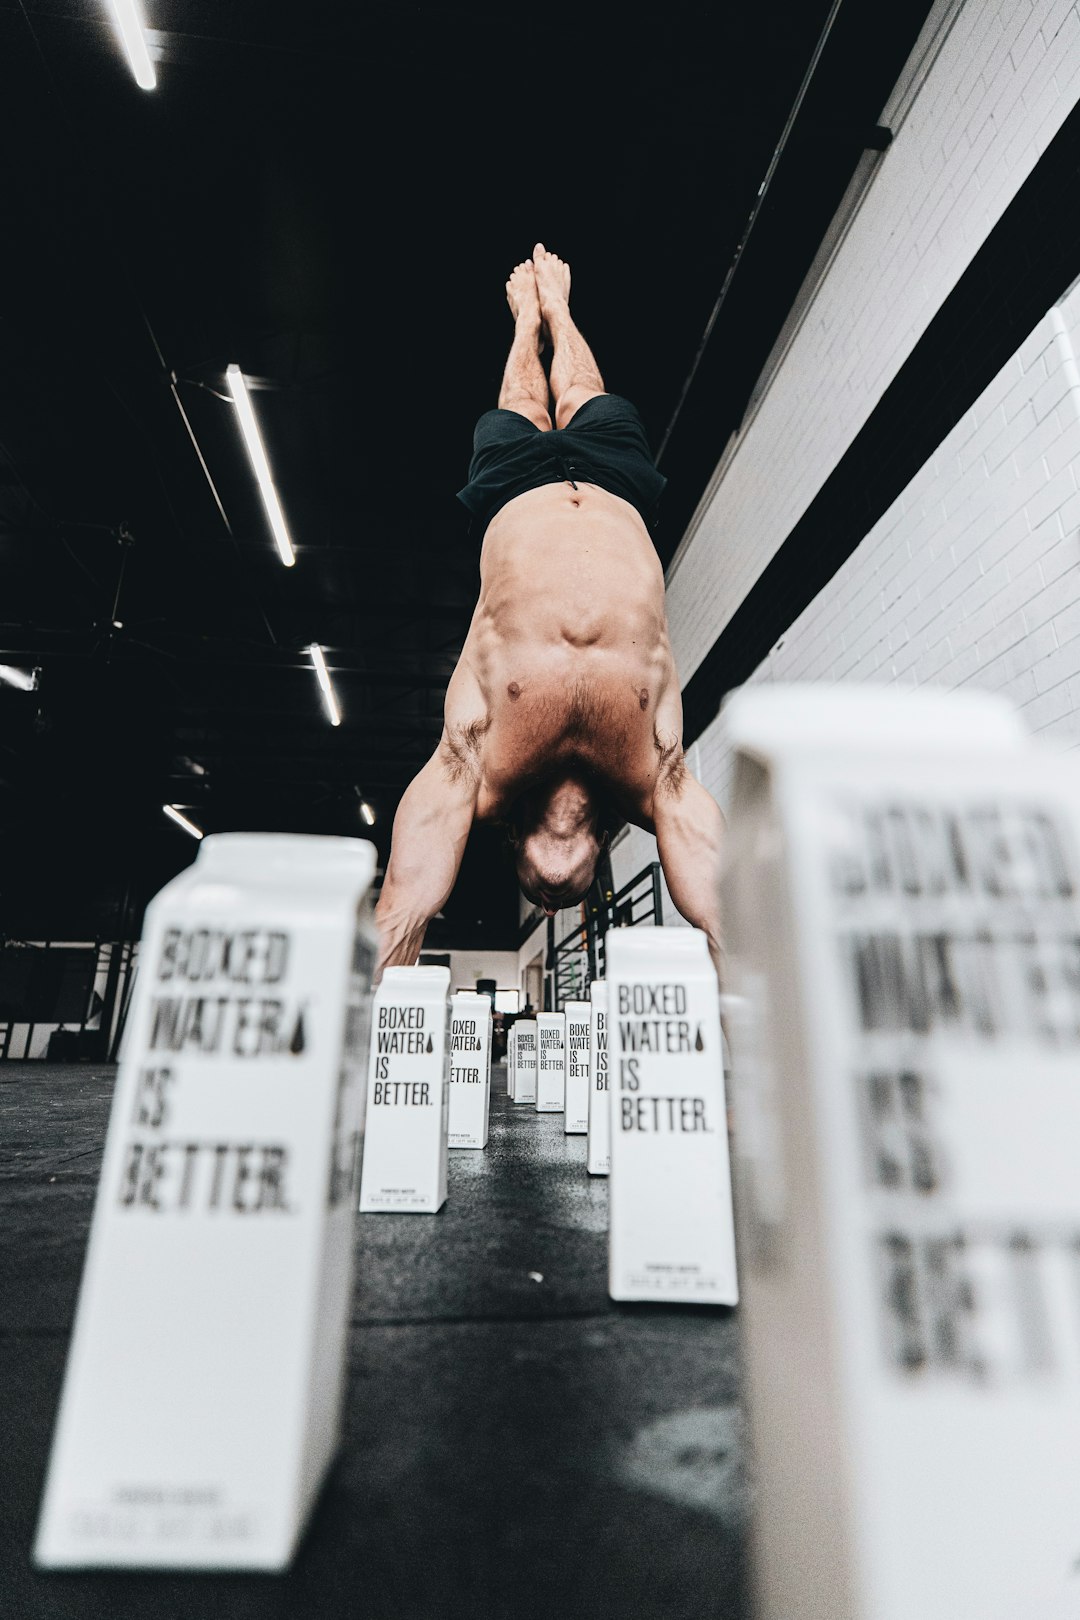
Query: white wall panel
pixel 1001 82
pixel 972 577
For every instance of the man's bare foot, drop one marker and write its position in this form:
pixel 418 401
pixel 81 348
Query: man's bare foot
pixel 552 282
pixel 521 295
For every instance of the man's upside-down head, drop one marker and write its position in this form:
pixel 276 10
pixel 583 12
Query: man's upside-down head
pixel 557 831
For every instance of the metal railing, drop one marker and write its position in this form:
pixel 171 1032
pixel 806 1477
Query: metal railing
pixel 574 963
pixel 580 956
pixel 64 1000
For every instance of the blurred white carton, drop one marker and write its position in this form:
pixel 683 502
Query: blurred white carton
pixel 550 1063
pixel 202 1396
pixel 903 922
pixel 470 1069
pixel 525 1060
pixel 670 1225
pixel 408 1103
pixel 599 1109
pixel 511 1060
pixel 578 1014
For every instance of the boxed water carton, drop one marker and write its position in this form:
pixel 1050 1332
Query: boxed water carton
pixel 578 1014
pixel 550 1062
pixel 405 1153
pixel 525 1060
pixel 201 1402
pixel 599 1162
pixel 670 1224
pixel 470 1069
pixel 902 898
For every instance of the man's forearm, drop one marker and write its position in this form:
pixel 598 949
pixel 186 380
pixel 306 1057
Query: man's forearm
pixel 401 937
pixel 698 903
pixel 707 918
pixel 716 951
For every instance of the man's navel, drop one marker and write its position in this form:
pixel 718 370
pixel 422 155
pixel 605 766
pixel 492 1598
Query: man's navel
pixel 643 698
pixel 513 690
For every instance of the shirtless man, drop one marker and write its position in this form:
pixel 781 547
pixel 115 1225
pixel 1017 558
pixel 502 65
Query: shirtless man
pixel 564 711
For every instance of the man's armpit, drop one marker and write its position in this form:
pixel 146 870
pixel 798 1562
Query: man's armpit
pixel 460 750
pixel 671 776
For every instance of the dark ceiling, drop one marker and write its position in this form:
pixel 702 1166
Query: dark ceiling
pixel 332 197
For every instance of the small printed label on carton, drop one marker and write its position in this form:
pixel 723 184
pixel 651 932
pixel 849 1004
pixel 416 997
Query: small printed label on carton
pixel 599 1161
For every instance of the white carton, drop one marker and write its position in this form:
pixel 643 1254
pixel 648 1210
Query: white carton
pixel 525 1060
pixel 203 1388
pixel 408 1103
pixel 578 1014
pixel 903 911
pixel 550 1062
pixel 670 1227
pixel 599 1109
pixel 511 1060
pixel 470 1069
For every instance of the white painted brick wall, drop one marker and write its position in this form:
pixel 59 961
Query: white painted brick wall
pixel 535 945
pixel 1002 82
pixel 468 966
pixel 972 577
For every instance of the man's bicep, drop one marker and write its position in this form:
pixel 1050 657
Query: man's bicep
pixel 689 830
pixel 436 812
pixel 430 832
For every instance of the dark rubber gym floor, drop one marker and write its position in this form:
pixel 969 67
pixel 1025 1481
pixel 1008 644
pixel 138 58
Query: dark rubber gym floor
pixel 515 1444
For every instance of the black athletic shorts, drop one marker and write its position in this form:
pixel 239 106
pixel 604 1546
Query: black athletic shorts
pixel 604 443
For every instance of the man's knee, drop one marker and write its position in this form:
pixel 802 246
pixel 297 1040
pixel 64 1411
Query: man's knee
pixel 571 402
pixel 531 409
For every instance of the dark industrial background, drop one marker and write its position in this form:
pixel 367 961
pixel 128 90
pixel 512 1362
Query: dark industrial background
pixel 332 197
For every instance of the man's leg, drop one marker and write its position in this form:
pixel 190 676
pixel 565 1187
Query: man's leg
pixel 575 376
pixel 524 385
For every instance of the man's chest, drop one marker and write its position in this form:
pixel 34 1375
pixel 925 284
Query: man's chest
pixel 605 728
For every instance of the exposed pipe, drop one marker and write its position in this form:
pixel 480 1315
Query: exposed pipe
pixel 763 191
pixel 173 380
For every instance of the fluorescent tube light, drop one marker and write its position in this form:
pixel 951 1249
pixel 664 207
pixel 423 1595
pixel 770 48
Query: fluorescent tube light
pixel 367 813
pixel 131 25
pixel 182 821
pixel 25 679
pixel 259 463
pixel 332 710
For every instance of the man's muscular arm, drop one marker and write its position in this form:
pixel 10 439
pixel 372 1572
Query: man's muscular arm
pixel 431 829
pixel 689 836
pixel 432 824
